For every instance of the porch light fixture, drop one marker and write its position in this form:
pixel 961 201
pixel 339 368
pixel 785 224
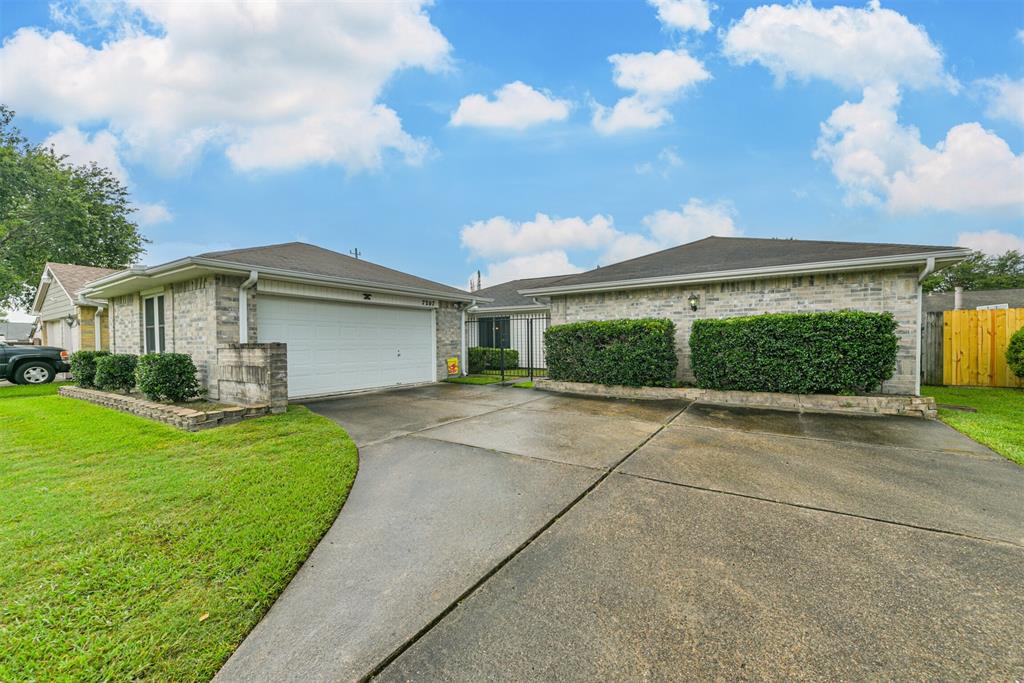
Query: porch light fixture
pixel 70 320
pixel 693 301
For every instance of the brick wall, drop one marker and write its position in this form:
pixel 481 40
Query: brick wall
pixel 449 336
pixel 895 291
pixel 126 324
pixel 189 323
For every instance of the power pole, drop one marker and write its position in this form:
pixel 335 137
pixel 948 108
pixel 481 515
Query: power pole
pixel 355 252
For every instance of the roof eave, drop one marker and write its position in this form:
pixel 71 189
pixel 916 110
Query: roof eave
pixel 216 265
pixel 870 263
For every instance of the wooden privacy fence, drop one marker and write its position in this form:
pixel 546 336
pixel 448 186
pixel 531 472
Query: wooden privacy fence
pixel 973 347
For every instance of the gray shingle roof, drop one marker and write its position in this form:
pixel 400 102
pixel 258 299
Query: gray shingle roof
pixel 506 295
pixel 73 278
pixel 309 258
pixel 943 301
pixel 716 254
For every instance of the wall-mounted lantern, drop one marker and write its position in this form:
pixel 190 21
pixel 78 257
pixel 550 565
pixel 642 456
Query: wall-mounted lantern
pixel 70 320
pixel 693 301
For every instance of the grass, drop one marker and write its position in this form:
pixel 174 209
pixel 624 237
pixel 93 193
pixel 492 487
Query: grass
pixel 131 550
pixel 475 379
pixel 997 424
pixel 23 390
pixel 523 385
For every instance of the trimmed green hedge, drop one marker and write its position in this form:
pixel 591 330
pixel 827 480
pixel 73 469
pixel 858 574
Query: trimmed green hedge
pixel 83 367
pixel 634 353
pixel 1015 353
pixel 838 352
pixel 167 376
pixel 116 372
pixel 486 358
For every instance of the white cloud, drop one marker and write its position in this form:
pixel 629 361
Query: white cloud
pixel 279 84
pixel 847 46
pixel 684 15
pixel 668 158
pixel 695 220
pixel 878 160
pixel 554 262
pixel 991 241
pixel 81 148
pixel 657 79
pixel 152 214
pixel 500 236
pixel 515 105
pixel 1005 98
pixel 538 247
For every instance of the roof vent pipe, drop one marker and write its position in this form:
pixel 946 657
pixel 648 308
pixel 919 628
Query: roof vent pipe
pixel 958 298
pixel 243 307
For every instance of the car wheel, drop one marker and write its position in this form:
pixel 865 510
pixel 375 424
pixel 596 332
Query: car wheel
pixel 34 372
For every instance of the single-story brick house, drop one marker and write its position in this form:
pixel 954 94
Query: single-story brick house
pixel 349 324
pixel 721 277
pixel 68 318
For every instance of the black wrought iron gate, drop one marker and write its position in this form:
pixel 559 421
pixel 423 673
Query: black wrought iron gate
pixel 507 345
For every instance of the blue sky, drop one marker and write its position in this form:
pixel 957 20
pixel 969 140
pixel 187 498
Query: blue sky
pixel 379 127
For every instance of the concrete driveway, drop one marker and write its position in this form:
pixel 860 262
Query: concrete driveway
pixel 497 533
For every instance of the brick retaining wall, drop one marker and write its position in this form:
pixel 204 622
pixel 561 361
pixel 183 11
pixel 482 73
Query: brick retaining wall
pixel 183 418
pixel 888 404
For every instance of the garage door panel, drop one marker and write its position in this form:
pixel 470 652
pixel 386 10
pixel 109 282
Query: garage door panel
pixel 334 347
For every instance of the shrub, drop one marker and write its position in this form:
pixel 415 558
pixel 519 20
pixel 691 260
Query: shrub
pixel 802 353
pixel 167 376
pixel 487 358
pixel 633 353
pixel 1015 353
pixel 83 367
pixel 116 372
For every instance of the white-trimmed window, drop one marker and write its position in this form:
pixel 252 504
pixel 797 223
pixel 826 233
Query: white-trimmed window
pixel 153 323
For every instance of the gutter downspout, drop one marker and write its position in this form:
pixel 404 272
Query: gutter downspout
pixel 929 268
pixel 464 359
pixel 243 307
pixel 98 331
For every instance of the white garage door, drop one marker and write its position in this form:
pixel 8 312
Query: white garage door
pixel 334 347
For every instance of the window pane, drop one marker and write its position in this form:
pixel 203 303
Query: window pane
pixel 163 346
pixel 149 311
pixel 150 338
pixel 160 310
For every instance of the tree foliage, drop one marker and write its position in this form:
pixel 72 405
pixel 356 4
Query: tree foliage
pixel 52 210
pixel 980 271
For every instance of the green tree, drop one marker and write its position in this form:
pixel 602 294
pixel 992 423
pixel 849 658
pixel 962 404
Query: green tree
pixel 979 271
pixel 52 210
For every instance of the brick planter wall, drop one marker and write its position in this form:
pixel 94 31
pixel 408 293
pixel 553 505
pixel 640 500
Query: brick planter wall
pixel 889 404
pixel 183 418
pixel 253 374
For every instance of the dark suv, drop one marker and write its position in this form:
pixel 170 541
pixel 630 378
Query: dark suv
pixel 31 364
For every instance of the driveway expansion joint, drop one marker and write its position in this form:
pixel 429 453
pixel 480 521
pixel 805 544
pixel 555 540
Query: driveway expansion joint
pixel 868 518
pixel 384 663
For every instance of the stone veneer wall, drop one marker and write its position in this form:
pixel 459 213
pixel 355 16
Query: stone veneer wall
pixel 888 290
pixel 253 374
pixel 449 336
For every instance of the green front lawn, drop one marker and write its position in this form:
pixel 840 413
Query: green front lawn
pixel 475 379
pixel 997 424
pixel 22 390
pixel 131 550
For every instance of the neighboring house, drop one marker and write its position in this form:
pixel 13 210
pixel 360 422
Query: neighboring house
pixel 67 318
pixel 944 301
pixel 349 324
pixel 511 320
pixel 16 332
pixel 722 277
